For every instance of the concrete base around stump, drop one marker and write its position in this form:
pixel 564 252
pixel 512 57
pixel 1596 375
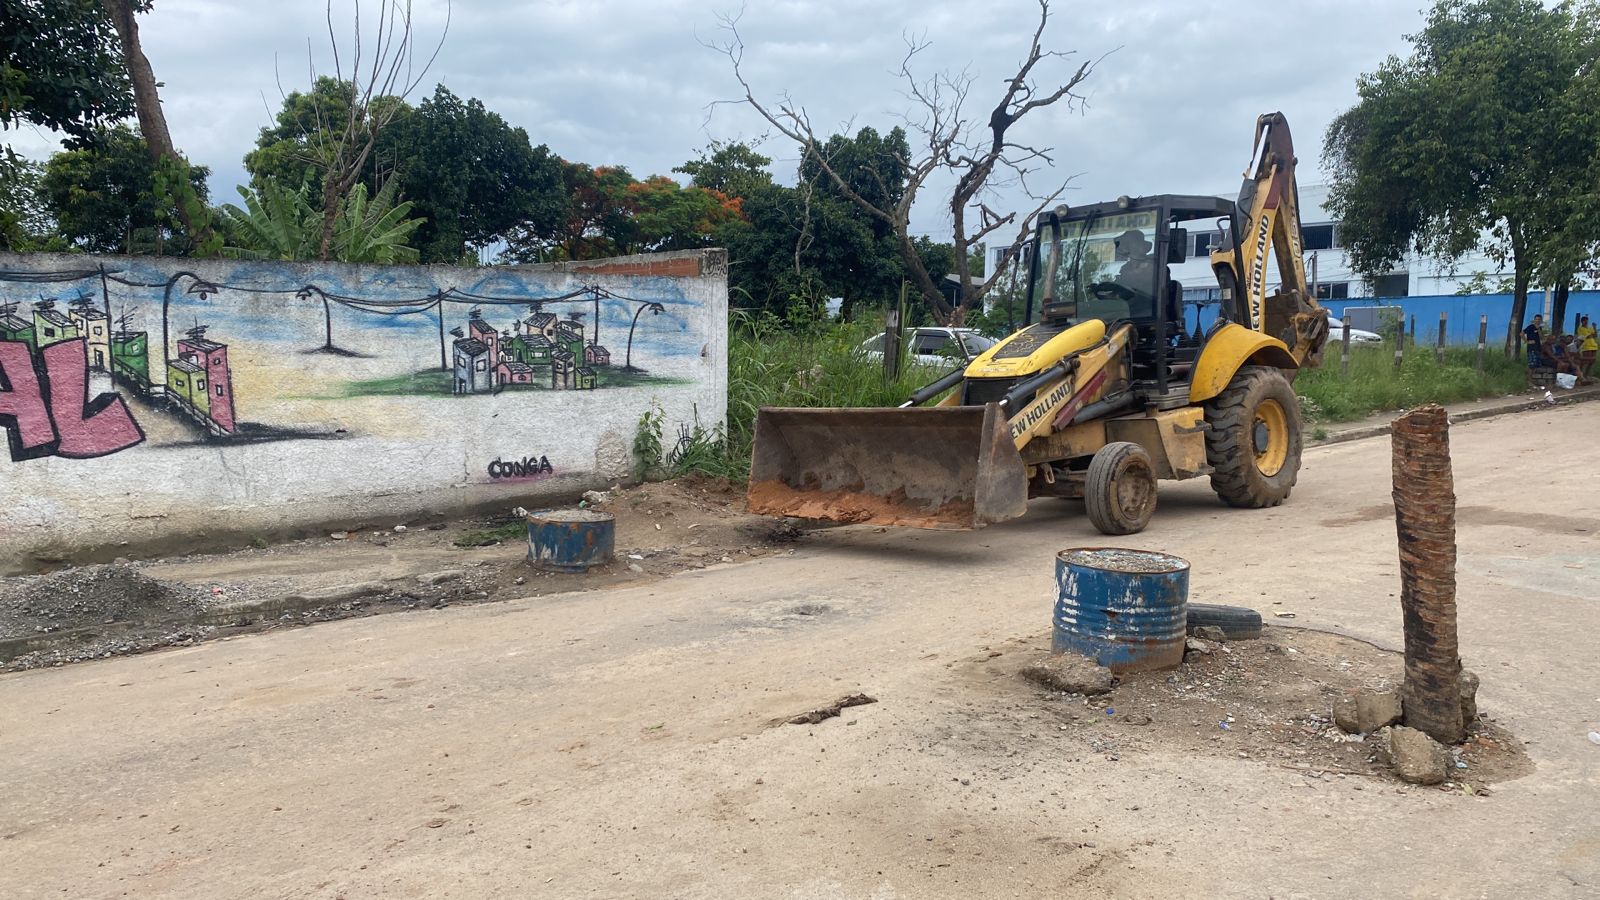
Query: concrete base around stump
pixel 1415 757
pixel 1365 713
pixel 1070 673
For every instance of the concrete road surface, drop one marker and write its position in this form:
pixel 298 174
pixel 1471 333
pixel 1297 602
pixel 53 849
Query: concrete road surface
pixel 618 744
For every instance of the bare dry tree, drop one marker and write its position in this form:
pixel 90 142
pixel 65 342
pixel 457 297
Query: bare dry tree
pixel 981 157
pixel 386 73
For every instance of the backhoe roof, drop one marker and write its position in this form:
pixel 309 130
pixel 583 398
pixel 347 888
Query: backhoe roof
pixel 1182 207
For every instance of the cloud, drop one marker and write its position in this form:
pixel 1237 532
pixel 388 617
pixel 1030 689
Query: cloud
pixel 1170 106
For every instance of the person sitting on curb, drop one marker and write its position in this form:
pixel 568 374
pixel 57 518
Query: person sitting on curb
pixel 1560 351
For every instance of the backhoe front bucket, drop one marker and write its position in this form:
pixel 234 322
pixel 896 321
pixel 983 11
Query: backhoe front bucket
pixel 952 467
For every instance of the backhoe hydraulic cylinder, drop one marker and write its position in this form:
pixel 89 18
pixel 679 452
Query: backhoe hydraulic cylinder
pixel 1019 394
pixel 928 392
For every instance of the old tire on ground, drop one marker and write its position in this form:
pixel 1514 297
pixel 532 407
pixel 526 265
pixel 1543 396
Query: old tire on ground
pixel 1253 444
pixel 1119 493
pixel 1237 622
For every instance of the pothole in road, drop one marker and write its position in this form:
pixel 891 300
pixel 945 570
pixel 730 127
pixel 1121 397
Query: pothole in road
pixel 1269 701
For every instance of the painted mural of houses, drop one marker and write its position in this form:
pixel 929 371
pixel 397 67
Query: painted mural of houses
pixel 13 327
pixel 50 326
pixel 212 359
pixel 94 326
pixel 473 372
pixel 540 349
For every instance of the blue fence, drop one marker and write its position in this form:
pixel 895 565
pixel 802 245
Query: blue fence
pixel 1462 313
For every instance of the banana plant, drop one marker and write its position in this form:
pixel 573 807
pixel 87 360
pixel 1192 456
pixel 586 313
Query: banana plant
pixel 280 222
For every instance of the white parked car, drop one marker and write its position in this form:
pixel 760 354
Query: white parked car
pixel 933 346
pixel 1357 335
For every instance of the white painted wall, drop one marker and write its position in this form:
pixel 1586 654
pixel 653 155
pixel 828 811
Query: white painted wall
pixel 339 455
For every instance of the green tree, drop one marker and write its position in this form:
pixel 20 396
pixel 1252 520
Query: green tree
pixel 733 168
pixel 107 198
pixel 173 177
pixel 668 216
pixel 473 176
pixel 596 223
pixel 1461 145
pixel 25 222
pixel 804 245
pixel 303 132
pixel 279 222
pixel 61 68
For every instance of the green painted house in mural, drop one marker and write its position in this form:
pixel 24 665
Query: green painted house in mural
pixel 531 349
pixel 569 337
pixel 14 327
pixel 51 327
pixel 186 384
pixel 130 358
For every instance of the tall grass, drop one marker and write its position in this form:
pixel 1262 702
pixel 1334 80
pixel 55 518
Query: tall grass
pixel 1373 385
pixel 773 363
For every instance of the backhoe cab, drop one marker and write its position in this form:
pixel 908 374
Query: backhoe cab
pixel 1104 392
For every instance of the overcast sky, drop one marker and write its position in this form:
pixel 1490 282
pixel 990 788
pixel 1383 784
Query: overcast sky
pixel 1170 106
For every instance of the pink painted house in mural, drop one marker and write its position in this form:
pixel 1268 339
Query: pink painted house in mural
pixel 479 329
pixel 212 358
pixel 513 372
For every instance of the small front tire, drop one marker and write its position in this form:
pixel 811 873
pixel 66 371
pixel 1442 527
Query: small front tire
pixel 1119 492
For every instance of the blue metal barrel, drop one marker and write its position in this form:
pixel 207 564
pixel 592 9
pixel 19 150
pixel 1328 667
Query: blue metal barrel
pixel 1125 609
pixel 570 540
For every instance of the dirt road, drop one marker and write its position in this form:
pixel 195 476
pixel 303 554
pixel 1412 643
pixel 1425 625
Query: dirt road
pixel 620 743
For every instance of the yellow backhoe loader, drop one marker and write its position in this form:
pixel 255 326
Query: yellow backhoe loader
pixel 1100 396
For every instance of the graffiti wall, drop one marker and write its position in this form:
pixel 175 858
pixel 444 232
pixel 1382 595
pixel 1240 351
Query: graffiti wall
pixel 145 399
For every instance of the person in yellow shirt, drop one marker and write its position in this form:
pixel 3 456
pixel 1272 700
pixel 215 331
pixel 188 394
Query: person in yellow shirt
pixel 1588 343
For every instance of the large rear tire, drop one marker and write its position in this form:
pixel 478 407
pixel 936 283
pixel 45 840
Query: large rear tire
pixel 1119 492
pixel 1253 444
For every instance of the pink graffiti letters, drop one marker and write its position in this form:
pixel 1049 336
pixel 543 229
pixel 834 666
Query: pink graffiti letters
pixel 45 406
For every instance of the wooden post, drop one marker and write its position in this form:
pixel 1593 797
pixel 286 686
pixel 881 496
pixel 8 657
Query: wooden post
pixel 1399 343
pixel 1483 341
pixel 1344 353
pixel 1425 520
pixel 1438 347
pixel 1413 329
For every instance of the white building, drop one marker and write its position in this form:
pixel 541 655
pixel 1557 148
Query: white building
pixel 1418 276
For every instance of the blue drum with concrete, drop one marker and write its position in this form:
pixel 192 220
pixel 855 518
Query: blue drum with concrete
pixel 570 540
pixel 1125 609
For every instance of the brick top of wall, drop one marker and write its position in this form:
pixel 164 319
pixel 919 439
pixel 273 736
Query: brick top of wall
pixel 679 267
